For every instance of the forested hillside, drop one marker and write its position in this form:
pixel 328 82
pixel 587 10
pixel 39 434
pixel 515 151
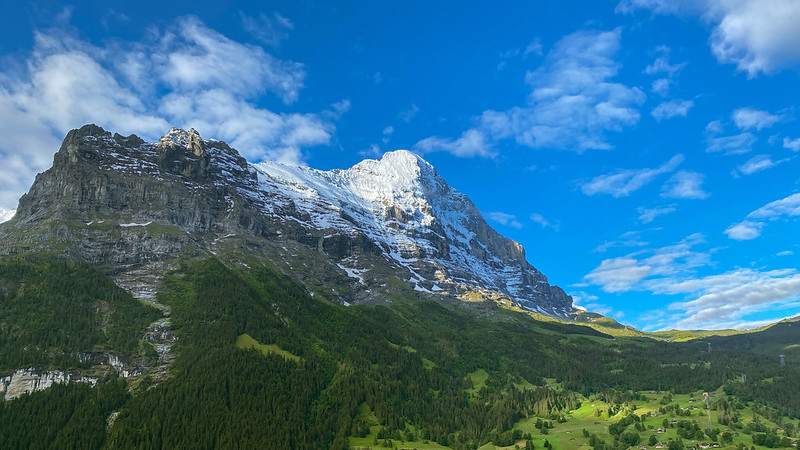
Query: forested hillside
pixel 261 364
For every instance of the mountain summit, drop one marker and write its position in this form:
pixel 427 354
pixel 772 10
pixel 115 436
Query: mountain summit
pixel 358 235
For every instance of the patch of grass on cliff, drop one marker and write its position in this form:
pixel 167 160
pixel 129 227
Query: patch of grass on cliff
pixel 246 341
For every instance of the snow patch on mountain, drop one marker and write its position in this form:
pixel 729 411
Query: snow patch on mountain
pixel 420 223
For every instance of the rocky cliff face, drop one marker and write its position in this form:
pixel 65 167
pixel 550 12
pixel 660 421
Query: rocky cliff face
pixel 135 208
pixel 29 380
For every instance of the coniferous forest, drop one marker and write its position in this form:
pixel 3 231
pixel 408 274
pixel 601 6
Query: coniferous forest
pixel 415 371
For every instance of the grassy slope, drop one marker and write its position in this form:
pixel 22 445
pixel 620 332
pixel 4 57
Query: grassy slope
pixel 245 341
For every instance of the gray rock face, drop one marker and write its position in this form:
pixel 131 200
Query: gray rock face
pixel 29 380
pixel 134 208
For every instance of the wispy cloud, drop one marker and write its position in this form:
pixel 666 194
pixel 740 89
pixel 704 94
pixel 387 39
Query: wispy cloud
pixel 504 219
pixel 661 86
pixel 672 108
pixel 791 144
pixel 535 48
pixel 634 270
pixel 662 64
pixel 408 114
pixel 662 67
pixel 758 36
pixel 471 143
pixel 749 118
pixel 758 163
pixel 623 182
pixel 572 105
pixel 728 145
pixel 268 29
pixel 684 184
pixel 725 300
pixel 387 133
pixel 538 218
pixel 752 225
pixel 618 274
pixel 627 239
pixel 717 301
pixel 647 215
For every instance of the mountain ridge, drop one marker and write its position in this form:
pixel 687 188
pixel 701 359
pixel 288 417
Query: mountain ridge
pixel 131 206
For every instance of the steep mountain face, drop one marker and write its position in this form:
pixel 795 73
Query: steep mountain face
pixel 135 208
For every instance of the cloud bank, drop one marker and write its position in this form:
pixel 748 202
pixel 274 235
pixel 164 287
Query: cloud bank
pixel 187 75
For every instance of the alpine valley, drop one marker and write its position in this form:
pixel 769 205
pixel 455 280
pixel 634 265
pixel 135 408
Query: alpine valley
pixel 173 295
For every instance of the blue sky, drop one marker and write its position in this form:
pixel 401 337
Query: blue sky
pixel 645 152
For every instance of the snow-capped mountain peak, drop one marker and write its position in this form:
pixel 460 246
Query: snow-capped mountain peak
pixel 393 217
pixel 423 227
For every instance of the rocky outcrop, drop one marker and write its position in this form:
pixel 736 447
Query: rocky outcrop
pixel 136 208
pixel 29 380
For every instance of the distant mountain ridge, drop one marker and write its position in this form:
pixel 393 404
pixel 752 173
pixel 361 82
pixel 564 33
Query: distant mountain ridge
pixel 134 208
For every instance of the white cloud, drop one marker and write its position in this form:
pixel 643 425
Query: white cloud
pixel 684 184
pixel 661 6
pixel 647 215
pixel 758 163
pixel 387 133
pixel 372 152
pixel 622 183
pixel 338 109
pixel 716 301
pixel 672 108
pixel 534 47
pixel 661 86
pixel 731 145
pixel 677 258
pixel 662 65
pixel 749 118
pixel 572 103
pixel 627 239
pixel 751 227
pixel 785 253
pixel 725 300
pixel 756 35
pixel 504 219
pixel 187 76
pixel 644 269
pixel 269 29
pixel 714 128
pixel 791 144
pixel 199 58
pixel 471 143
pixel 538 218
pixel 617 274
pixel 408 114
pixel 744 231
pixel 6 214
pixel 788 206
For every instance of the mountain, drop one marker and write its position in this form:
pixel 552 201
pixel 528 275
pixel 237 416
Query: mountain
pixel 171 295
pixel 135 208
